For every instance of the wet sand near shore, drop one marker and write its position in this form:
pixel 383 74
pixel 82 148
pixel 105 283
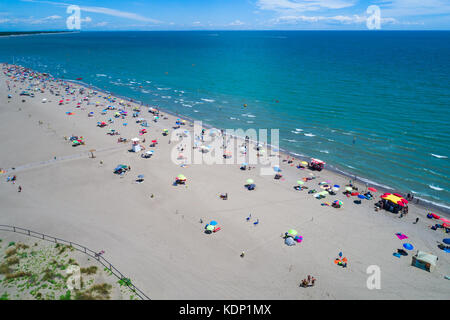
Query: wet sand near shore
pixel 159 242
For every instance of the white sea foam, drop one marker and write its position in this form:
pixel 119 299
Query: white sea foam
pixel 324 151
pixel 435 188
pixel 207 100
pixel 309 134
pixel 438 156
pixel 186 105
pixel 163 88
pixel 166 97
pixel 100 75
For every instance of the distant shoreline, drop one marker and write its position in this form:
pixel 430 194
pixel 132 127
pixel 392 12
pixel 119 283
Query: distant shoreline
pixel 31 33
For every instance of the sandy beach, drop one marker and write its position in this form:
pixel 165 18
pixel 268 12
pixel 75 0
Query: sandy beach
pixel 159 241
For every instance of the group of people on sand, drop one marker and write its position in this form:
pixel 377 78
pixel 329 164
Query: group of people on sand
pixel 308 282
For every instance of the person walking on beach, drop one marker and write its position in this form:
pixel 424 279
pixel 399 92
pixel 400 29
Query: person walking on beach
pixel 19 189
pixel 242 254
pixel 417 220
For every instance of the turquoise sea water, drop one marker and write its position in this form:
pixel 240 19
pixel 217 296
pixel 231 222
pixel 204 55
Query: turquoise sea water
pixel 374 104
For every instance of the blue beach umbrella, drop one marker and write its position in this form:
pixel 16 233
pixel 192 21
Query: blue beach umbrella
pixel 337 186
pixel 408 246
pixel 213 223
pixel 141 176
pixel 361 196
pixel 446 241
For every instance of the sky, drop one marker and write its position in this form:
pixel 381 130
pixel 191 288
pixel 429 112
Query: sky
pixel 117 15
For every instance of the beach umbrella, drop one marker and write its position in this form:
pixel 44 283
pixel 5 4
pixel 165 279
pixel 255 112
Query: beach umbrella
pixel 349 189
pixel 339 202
pixel 446 241
pixel 245 164
pixel 404 201
pixel 400 203
pixel 408 246
pixel 372 189
pixel 210 227
pixel 337 186
pixel 300 182
pixel 141 176
pixel 323 193
pixel 277 169
pixel 304 163
pixel 361 196
pixel 181 177
pixel 398 195
pixel 213 223
pixel 250 181
pixel 292 232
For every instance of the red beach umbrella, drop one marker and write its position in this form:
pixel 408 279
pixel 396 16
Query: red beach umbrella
pixel 400 203
pixel 355 193
pixel 404 201
pixel 372 189
pixel 398 195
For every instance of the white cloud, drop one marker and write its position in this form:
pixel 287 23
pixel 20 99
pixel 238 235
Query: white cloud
pixel 354 19
pixel 236 23
pixel 41 20
pixel 303 5
pixel 101 10
pixel 101 24
pixel 87 19
pixel 398 8
pixel 196 22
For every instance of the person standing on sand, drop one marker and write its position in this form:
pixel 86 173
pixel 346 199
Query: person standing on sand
pixel 19 189
pixel 417 220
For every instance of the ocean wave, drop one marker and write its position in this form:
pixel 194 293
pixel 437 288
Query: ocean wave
pixel 324 151
pixel 101 75
pixel 207 100
pixel 166 97
pixel 435 188
pixel 163 88
pixel 186 105
pixel 309 135
pixel 438 156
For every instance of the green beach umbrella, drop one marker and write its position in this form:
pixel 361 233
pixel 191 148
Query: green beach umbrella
pixel 292 232
pixel 323 193
pixel 250 181
pixel 181 177
pixel 300 182
pixel 349 189
pixel 210 227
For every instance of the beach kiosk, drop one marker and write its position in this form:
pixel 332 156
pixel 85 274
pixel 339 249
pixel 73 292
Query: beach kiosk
pixel 425 261
pixel 316 164
pixel 135 147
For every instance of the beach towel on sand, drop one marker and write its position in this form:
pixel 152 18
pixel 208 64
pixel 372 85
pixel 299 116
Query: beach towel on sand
pixel 401 236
